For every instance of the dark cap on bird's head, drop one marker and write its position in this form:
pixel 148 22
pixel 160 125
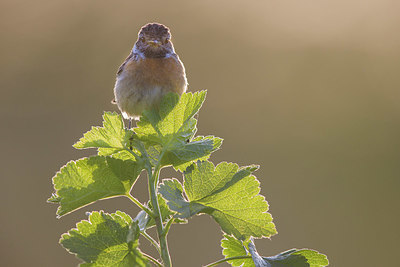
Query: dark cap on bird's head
pixel 155 30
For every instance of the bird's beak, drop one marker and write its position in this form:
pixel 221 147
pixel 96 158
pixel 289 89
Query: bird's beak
pixel 154 43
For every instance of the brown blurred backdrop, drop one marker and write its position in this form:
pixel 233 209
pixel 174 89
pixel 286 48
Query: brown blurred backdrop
pixel 309 90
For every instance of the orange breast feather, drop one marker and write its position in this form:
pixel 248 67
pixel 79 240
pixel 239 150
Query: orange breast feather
pixel 167 73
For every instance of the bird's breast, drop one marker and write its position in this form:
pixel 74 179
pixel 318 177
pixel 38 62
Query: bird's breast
pixel 143 82
pixel 167 73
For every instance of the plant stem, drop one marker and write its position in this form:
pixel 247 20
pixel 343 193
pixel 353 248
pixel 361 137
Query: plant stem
pixel 152 241
pixel 137 157
pixel 168 225
pixel 152 259
pixel 140 205
pixel 153 179
pixel 227 259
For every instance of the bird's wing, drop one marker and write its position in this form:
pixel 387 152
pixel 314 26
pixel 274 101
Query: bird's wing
pixel 121 68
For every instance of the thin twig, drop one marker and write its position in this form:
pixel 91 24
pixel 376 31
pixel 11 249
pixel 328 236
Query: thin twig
pixel 140 205
pixel 168 225
pixel 152 241
pixel 156 262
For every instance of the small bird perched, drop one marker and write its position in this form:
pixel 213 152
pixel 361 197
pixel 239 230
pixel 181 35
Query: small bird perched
pixel 150 71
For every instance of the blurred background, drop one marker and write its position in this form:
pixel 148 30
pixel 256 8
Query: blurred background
pixel 309 90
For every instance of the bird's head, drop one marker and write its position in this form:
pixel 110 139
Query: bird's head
pixel 154 41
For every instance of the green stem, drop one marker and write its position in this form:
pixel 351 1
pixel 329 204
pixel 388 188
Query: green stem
pixel 153 178
pixel 152 259
pixel 140 205
pixel 168 225
pixel 227 259
pixel 152 241
pixel 137 157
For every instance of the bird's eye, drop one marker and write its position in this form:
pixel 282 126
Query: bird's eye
pixel 142 39
pixel 166 40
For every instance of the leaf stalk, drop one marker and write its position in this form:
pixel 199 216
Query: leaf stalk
pixel 140 205
pixel 227 259
pixel 168 225
pixel 152 259
pixel 152 241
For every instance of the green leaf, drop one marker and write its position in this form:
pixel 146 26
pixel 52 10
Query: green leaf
pixel 82 182
pixel 105 240
pixel 174 118
pixel 167 132
pixel 118 154
pixel 298 258
pixel 112 136
pixel 182 154
pixel 172 191
pixel 233 247
pixel 145 221
pixel 228 193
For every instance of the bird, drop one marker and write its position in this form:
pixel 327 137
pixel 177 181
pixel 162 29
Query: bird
pixel 151 70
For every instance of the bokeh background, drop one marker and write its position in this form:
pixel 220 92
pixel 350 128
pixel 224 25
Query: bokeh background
pixel 309 90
